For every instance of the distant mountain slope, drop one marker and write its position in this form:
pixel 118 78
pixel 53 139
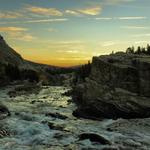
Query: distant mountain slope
pixel 8 55
pixel 14 67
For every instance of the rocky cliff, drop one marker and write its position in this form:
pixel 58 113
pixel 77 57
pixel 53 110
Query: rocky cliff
pixel 118 86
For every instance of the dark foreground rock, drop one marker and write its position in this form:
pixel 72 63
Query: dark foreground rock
pixel 25 89
pixel 4 112
pixel 94 138
pixel 56 115
pixel 118 87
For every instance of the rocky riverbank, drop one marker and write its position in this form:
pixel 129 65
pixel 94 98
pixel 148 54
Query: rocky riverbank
pixel 44 121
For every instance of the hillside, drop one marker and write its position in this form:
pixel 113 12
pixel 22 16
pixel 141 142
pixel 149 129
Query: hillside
pixel 14 67
pixel 8 55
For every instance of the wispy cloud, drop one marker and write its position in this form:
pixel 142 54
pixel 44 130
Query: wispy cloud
pixel 121 18
pixel 93 11
pixel 70 51
pixel 36 21
pixel 72 12
pixel 135 27
pixel 46 20
pixel 132 18
pixel 141 35
pixel 12 29
pixel 103 18
pixel 10 15
pixel 17 33
pixel 21 36
pixel 117 1
pixel 44 11
pixel 141 42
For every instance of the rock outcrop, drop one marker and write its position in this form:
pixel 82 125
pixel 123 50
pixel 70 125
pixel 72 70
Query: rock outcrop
pixel 118 87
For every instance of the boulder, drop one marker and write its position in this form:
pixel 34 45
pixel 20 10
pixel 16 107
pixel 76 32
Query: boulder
pixel 94 138
pixel 4 112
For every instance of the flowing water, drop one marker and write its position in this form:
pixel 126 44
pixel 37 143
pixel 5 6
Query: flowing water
pixel 44 121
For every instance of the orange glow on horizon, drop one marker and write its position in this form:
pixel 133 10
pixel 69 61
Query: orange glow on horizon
pixel 60 63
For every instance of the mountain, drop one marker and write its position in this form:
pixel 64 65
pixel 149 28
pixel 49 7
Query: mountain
pixel 8 55
pixel 14 67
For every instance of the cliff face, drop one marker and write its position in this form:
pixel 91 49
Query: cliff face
pixel 118 86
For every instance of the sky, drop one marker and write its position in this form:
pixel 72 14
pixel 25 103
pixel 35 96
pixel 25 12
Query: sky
pixel 71 32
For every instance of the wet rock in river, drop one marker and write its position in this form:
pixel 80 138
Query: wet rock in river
pixel 4 133
pixel 56 115
pixel 94 138
pixel 110 148
pixel 4 112
pixel 25 89
pixel 56 126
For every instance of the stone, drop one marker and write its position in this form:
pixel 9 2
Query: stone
pixel 4 112
pixel 94 138
pixel 56 115
pixel 117 87
pixel 55 126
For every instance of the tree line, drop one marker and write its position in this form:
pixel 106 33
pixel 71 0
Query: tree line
pixel 139 50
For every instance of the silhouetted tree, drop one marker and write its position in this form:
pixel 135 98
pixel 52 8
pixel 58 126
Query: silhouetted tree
pixel 143 50
pixel 82 73
pixel 138 51
pixel 130 50
pixel 148 49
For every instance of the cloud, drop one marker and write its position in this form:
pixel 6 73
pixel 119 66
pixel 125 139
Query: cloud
pixel 10 15
pixel 104 18
pixel 91 11
pixel 132 18
pixel 44 11
pixel 135 27
pixel 21 36
pixel 46 20
pixel 70 51
pixel 17 33
pixel 72 12
pixel 141 42
pixel 12 29
pixel 121 18
pixel 141 35
pixel 36 21
pixel 26 37
pixel 117 1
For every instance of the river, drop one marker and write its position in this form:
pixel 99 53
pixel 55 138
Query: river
pixel 44 121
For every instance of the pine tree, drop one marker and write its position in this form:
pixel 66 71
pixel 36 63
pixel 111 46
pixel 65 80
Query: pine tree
pixel 148 49
pixel 138 51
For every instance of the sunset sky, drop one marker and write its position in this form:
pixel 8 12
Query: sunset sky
pixel 70 32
